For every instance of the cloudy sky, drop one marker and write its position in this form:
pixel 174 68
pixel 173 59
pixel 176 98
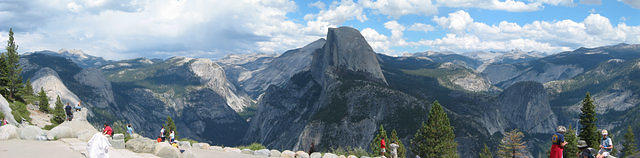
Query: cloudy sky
pixel 120 29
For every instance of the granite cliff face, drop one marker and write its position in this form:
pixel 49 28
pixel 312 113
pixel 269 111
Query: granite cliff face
pixel 339 102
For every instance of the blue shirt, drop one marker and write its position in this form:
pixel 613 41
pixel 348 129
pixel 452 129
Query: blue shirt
pixel 557 139
pixel 606 142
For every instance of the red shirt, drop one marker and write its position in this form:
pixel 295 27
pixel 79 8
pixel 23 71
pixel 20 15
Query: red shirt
pixel 107 130
pixel 382 143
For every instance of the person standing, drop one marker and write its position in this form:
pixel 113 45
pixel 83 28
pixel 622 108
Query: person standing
pixel 67 110
pixel 312 148
pixel 162 137
pixel 382 147
pixel 394 149
pixel 606 145
pixel 558 142
pixel 130 130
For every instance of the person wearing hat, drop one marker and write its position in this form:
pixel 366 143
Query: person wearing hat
pixel 585 150
pixel 605 145
pixel 558 142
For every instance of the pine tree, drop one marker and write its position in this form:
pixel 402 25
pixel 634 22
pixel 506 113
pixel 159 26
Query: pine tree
pixel 170 126
pixel 485 153
pixel 43 101
pixel 589 131
pixel 10 75
pixel 512 145
pixel 58 112
pixel 375 143
pixel 435 138
pixel 26 92
pixel 402 151
pixel 629 146
pixel 572 143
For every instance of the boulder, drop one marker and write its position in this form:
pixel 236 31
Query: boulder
pixel 118 136
pixel 61 131
pixel 201 145
pixel 6 110
pixel 141 145
pixel 117 143
pixel 165 150
pixel 316 155
pixel 8 131
pixel 288 154
pixel 352 156
pixel 262 153
pixel 188 154
pixel 85 135
pixel 29 132
pixel 329 155
pixel 229 149
pixel 247 151
pixel 342 156
pixel 302 154
pixel 274 153
pixel 184 144
pixel 216 148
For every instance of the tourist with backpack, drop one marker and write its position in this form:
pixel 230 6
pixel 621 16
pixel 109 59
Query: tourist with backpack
pixel 606 145
pixel 558 142
pixel 585 150
pixel 67 110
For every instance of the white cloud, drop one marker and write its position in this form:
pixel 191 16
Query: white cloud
pixel 336 14
pixel 396 33
pixel 632 3
pixel 318 4
pixel 379 42
pixel 398 8
pixel 507 5
pixel 467 35
pixel 421 27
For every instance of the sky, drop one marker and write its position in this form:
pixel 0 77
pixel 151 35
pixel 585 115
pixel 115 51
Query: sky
pixel 123 29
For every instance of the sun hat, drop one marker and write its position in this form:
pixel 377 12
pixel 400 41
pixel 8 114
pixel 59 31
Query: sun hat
pixel 604 132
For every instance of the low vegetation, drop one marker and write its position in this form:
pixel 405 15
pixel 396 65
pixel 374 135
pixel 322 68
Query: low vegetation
pixel 359 152
pixel 253 146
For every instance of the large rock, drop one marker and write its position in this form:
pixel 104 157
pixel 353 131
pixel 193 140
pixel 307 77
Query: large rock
pixel 274 153
pixel 316 155
pixel 117 141
pixel 29 132
pixel 8 132
pixel 141 145
pixel 262 153
pixel 184 144
pixel 189 154
pixel 247 151
pixel 229 149
pixel 216 148
pixel 60 131
pixel 6 110
pixel 302 154
pixel 288 154
pixel 165 150
pixel 352 156
pixel 201 145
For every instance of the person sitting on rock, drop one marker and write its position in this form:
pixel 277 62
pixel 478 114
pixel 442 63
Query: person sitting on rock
pixel 78 108
pixel 605 145
pixel 107 130
pixel 172 136
pixel 67 110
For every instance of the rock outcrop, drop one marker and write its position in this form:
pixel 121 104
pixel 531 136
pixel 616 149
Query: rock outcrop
pixel 213 76
pixel 48 79
pixel 9 131
pixel 6 111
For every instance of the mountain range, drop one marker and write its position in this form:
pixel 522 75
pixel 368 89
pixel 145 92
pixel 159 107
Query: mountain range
pixel 336 91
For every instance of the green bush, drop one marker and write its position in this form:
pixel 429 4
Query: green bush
pixel 49 127
pixel 19 111
pixel 359 152
pixel 253 146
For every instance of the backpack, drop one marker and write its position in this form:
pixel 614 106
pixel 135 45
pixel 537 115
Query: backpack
pixel 589 153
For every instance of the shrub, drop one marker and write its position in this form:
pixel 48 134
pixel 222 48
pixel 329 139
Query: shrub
pixel 359 152
pixel 253 146
pixel 19 111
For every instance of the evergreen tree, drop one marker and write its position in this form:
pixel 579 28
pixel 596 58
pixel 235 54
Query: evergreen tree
pixel 512 145
pixel 435 138
pixel 170 126
pixel 375 143
pixel 58 112
pixel 26 92
pixel 572 143
pixel 10 75
pixel 629 146
pixel 402 151
pixel 485 153
pixel 43 101
pixel 589 131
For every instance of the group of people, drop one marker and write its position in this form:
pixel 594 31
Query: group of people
pixel 558 145
pixel 172 137
pixel 108 131
pixel 393 147
pixel 69 110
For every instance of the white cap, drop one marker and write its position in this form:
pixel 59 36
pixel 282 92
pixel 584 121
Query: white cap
pixel 604 132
